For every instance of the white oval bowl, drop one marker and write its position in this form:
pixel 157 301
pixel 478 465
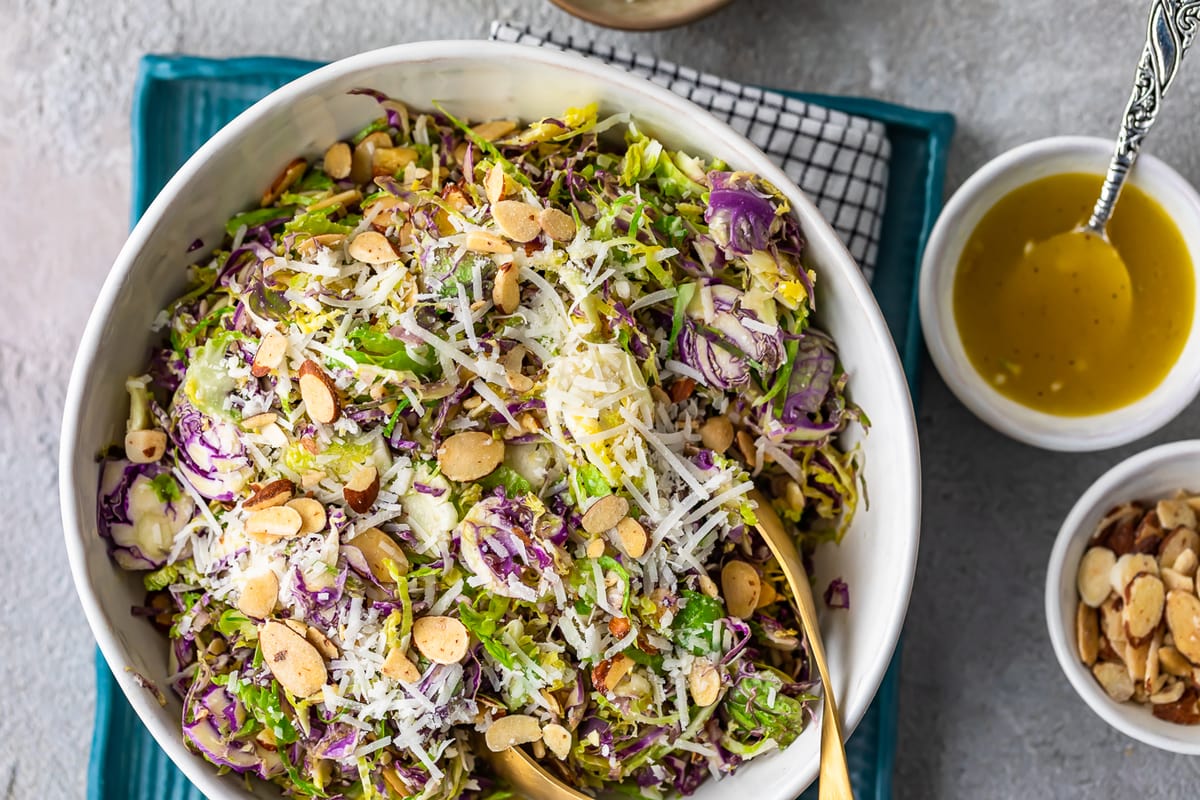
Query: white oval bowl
pixel 976 197
pixel 479 80
pixel 1149 475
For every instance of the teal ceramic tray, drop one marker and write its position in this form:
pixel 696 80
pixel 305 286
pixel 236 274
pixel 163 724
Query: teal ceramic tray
pixel 180 101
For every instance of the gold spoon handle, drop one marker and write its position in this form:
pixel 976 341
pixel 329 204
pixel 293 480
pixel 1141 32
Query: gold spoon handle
pixel 835 773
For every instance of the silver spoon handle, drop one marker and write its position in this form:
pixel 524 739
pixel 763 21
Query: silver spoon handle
pixel 1169 33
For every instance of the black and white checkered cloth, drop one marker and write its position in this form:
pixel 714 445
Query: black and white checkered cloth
pixel 839 160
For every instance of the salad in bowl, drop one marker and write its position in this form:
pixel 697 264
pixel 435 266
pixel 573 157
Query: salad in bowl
pixel 448 447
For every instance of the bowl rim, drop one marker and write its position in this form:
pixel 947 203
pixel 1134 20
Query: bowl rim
pixel 1061 639
pixel 1053 432
pixel 854 700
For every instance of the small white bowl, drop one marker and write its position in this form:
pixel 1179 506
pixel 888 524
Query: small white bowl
pixel 1017 167
pixel 1149 475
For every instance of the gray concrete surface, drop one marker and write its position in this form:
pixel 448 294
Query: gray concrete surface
pixel 985 712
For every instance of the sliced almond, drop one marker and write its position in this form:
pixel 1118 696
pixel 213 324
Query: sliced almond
pixel 611 671
pixel 745 443
pixel 269 495
pixel 319 394
pixel 372 247
pixel 708 586
pixel 1173 580
pixel 484 242
pixel 494 129
pixel 495 184
pixel 1184 711
pixel 400 667
pixel 717 433
pixel 278 522
pixel 337 161
pixel 519 383
pixel 1129 566
pixel 293 661
pixel 310 479
pixel 145 446
pixel 323 643
pixel 741 585
pixel 260 593
pixel 633 537
pixel 556 224
pixel 344 199
pixel 557 740
pixel 1154 678
pixel 443 640
pixel 1172 662
pixel 1113 624
pixel 704 682
pixel 269 354
pixel 1174 514
pixel 291 173
pixel 361 491
pixel 470 455
pixel 518 220
pixel 308 248
pixel 259 421
pixel 1144 599
pixel 377 549
pixel 595 548
pixel 390 160
pixel 1114 680
pixel 605 513
pixel 766 596
pixel 312 514
pixel 506 288
pixel 1183 620
pixel 1185 563
pixel 1170 693
pixel 511 731
pixel 1087 633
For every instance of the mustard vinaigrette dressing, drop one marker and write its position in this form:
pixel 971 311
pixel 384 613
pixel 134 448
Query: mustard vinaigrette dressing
pixel 1066 346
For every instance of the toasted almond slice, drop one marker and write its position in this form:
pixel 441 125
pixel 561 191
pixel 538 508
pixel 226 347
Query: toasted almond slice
pixel 745 443
pixel 704 682
pixel 268 495
pixel 1087 633
pixel 1173 580
pixel 605 513
pixel 400 667
pixel 1170 693
pixel 1129 566
pixel 1144 599
pixel 1153 680
pixel 291 173
pixel 1172 662
pixel 1183 620
pixel 633 537
pixel 371 247
pixel 323 643
pixel 611 671
pixel 319 394
pixel 308 248
pixel 557 740
pixel 741 586
pixel 512 730
pixel 443 640
pixel 1114 680
pixel 343 199
pixel 377 549
pixel 494 130
pixel 708 586
pixel 1113 624
pixel 517 382
pixel 279 522
pixel 145 446
pixel 259 421
pixel 1175 514
pixel 484 242
pixel 312 514
pixel 310 479
pixel 390 160
pixel 293 661
pixel 270 353
pixel 766 596
pixel 506 288
pixel 470 455
pixel 717 433
pixel 558 225
pixel 518 220
pixel 1185 563
pixel 495 184
pixel 338 160
pixel 595 548
pixel 362 489
pixel 259 594
pixel 1183 711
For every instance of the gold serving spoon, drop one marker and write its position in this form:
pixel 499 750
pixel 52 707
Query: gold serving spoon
pixel 532 780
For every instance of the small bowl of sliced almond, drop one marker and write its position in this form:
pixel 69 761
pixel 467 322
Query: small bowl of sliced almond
pixel 1121 597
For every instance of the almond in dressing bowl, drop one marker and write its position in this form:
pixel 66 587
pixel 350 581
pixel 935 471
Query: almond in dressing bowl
pixel 1063 363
